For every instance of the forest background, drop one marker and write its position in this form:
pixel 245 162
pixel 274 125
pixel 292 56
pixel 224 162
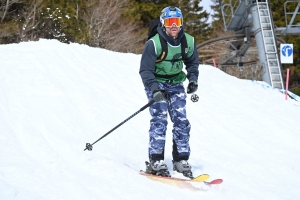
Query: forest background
pixel 121 25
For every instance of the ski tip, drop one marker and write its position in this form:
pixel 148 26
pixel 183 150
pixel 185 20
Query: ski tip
pixel 216 181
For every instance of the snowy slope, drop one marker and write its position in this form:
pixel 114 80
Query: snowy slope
pixel 56 97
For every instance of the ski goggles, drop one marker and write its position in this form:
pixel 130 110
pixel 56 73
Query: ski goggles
pixel 168 22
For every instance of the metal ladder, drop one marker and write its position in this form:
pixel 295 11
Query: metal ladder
pixel 270 45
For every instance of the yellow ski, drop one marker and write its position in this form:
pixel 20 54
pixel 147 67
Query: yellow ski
pixel 200 178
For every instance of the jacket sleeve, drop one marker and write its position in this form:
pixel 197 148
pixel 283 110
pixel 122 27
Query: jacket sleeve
pixel 147 66
pixel 192 65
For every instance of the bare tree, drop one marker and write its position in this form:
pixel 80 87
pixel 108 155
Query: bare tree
pixel 107 27
pixel 5 5
pixel 31 21
pixel 8 26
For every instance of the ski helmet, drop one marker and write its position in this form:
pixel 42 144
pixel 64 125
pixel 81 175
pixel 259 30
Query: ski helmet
pixel 171 15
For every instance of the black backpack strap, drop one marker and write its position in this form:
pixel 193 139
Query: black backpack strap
pixel 164 46
pixel 152 28
pixel 164 49
pixel 184 47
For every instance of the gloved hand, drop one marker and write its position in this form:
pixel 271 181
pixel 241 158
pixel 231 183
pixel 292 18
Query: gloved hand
pixel 192 87
pixel 160 95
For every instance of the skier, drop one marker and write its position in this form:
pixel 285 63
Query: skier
pixel 163 82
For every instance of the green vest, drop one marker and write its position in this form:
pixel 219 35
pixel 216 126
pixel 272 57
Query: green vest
pixel 172 64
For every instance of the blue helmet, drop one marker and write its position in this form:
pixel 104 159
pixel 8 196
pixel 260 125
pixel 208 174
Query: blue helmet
pixel 170 12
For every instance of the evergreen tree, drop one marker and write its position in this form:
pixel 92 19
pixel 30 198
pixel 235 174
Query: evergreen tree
pixel 61 20
pixel 194 17
pixel 51 19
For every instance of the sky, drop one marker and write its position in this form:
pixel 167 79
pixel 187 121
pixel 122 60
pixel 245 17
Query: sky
pixel 206 7
pixel 56 97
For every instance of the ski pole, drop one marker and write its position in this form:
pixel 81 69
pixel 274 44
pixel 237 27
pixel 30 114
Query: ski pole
pixel 90 146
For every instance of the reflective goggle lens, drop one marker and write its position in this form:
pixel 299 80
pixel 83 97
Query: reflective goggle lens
pixel 170 21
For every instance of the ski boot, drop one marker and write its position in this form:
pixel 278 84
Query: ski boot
pixel 183 167
pixel 158 168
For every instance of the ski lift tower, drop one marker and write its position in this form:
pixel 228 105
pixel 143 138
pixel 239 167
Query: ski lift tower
pixel 255 17
pixel 292 26
pixel 251 39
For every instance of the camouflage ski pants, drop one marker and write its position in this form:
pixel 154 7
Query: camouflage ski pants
pixel 176 107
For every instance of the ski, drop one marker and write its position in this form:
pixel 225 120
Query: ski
pixel 200 178
pixel 164 176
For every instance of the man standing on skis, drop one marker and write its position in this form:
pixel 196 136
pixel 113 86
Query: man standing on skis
pixel 163 81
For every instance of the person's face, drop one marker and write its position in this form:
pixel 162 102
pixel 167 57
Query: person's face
pixel 173 31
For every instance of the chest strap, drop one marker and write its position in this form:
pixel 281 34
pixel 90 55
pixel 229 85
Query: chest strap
pixel 166 76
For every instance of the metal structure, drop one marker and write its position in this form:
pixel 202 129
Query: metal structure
pixel 254 37
pixel 291 27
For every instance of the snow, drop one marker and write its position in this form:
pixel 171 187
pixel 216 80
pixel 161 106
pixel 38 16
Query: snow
pixel 55 98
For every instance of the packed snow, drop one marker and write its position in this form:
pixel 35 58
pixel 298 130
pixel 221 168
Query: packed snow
pixel 56 97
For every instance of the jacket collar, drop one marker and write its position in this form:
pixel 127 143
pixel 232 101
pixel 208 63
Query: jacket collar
pixel 170 40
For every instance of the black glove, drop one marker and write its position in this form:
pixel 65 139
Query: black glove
pixel 160 95
pixel 192 87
